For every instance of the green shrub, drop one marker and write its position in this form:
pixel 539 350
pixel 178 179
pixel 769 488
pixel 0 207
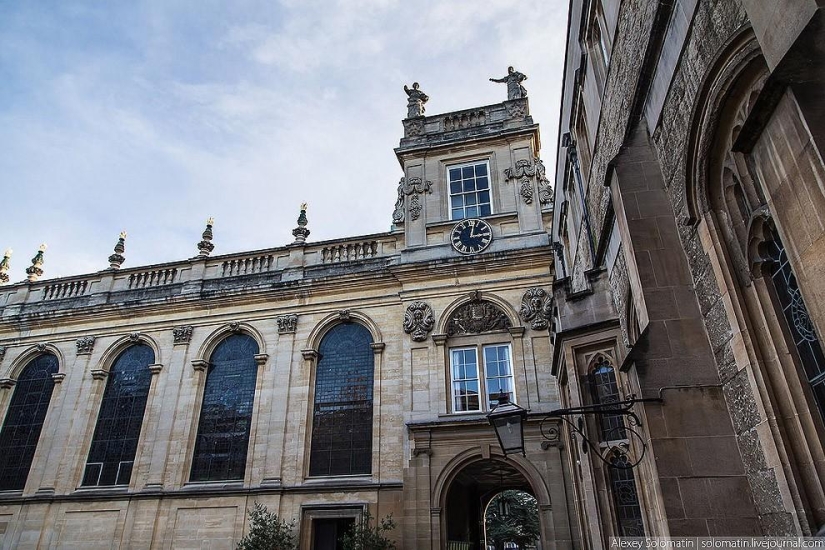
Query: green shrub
pixel 363 535
pixel 267 531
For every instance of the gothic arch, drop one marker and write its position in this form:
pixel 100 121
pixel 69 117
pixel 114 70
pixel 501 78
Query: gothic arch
pixel 218 335
pixel 477 296
pixel 120 345
pixel 732 209
pixel 737 62
pixel 327 323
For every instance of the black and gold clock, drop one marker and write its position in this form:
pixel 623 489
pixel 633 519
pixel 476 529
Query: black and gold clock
pixel 471 236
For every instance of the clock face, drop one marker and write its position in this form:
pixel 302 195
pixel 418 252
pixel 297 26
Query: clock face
pixel 471 236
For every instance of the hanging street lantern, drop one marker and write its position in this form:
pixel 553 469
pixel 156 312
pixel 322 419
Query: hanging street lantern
pixel 508 421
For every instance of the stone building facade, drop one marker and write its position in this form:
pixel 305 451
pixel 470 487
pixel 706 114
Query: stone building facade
pixel 689 229
pixel 150 407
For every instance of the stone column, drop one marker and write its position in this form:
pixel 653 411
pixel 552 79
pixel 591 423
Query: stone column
pixel 280 382
pixel 73 447
pixel 184 429
pixel 299 417
pixel 258 409
pixel 62 428
pixel 162 411
pixel 151 440
pixel 377 350
pixel 437 385
pixel 49 447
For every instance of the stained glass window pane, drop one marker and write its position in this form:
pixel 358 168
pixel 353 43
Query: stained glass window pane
pixel 606 392
pixel 24 420
pixel 342 413
pixel 625 498
pixel 803 333
pixel 115 440
pixel 226 413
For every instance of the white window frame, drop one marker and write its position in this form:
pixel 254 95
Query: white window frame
pixel 462 194
pixel 481 381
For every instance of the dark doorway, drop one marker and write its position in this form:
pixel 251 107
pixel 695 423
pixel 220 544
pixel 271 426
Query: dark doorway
pixel 470 491
pixel 327 532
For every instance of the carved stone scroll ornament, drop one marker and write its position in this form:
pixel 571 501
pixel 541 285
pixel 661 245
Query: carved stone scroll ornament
pixel 287 323
pixel 418 321
pixel 412 187
pixel 526 191
pixel 85 345
pixel 537 308
pixel 524 171
pixel 476 317
pixel 182 334
pixel 545 189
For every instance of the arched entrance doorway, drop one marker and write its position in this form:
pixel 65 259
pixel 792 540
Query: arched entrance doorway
pixel 468 495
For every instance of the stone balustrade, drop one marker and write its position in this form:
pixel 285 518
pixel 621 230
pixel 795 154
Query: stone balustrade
pixel 188 277
pixel 249 264
pixel 68 289
pixel 155 277
pixel 346 252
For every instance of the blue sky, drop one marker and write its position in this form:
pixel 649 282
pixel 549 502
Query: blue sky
pixel 151 116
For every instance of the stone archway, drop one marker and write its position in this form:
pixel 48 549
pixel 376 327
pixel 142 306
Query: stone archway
pixel 468 494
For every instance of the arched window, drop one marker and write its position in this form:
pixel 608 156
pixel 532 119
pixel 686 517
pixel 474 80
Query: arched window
pixel 24 420
pixel 605 392
pixel 226 413
pixel 803 337
pixel 342 413
pixel 114 444
pixel 626 508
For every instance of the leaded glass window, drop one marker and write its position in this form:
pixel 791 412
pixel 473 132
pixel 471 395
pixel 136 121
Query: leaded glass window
pixel 625 498
pixel 469 190
pixel 114 444
pixel 24 421
pixel 226 414
pixel 342 412
pixel 606 392
pixel 628 512
pixel 800 327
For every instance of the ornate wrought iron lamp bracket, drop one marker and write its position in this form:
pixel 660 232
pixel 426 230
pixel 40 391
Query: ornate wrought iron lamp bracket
pixel 625 432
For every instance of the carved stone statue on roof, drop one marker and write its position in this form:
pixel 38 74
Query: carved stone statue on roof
pixel 415 101
pixel 513 79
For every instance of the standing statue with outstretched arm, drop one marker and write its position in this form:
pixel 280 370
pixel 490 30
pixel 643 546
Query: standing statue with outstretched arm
pixel 415 101
pixel 513 79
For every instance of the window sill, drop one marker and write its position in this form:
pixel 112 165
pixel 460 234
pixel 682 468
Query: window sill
pixel 343 479
pixel 212 485
pixel 102 490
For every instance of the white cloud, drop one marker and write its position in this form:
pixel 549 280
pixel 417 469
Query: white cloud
pixel 154 118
